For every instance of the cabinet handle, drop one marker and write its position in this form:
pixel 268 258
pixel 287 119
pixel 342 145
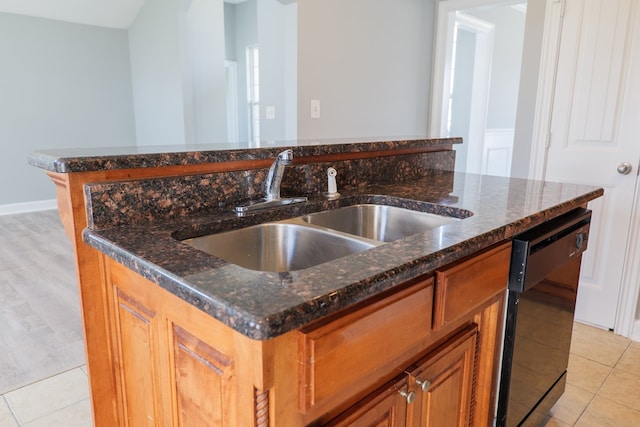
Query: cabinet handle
pixel 424 385
pixel 409 395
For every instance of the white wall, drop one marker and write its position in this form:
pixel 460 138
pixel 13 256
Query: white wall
pixel 62 85
pixel 369 64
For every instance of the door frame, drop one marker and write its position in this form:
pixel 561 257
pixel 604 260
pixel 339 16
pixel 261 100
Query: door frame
pixel 443 60
pixel 441 70
pixel 625 322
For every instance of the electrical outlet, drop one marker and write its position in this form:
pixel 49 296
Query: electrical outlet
pixel 315 108
pixel 270 112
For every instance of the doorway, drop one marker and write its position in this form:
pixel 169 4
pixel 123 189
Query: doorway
pixel 479 49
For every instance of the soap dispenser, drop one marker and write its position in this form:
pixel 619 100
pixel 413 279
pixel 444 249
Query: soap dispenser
pixel 332 190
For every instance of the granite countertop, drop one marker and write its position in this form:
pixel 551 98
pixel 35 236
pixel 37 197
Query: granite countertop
pixel 263 305
pixel 72 160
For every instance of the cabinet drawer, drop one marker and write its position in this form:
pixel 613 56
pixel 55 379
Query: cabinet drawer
pixel 464 286
pixel 343 357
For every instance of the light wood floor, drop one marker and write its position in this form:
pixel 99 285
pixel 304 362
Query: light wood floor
pixel 40 322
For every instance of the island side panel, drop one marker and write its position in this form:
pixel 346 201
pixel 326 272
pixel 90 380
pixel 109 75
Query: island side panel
pixel 91 272
pixel 179 366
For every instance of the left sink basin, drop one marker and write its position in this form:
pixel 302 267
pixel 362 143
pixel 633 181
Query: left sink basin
pixel 278 247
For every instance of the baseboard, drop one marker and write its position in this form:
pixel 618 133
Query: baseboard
pixel 17 208
pixel 635 333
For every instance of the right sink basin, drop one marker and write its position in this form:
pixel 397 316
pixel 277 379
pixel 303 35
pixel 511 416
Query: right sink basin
pixel 377 222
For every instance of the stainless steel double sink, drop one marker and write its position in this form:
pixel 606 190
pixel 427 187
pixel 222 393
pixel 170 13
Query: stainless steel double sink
pixel 313 239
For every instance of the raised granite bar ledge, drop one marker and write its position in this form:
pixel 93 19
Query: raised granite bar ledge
pixel 112 158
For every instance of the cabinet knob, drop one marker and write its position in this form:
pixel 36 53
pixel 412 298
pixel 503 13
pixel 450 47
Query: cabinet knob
pixel 424 385
pixel 409 395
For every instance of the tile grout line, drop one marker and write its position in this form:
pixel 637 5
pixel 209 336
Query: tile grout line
pixel 82 399
pixel 45 378
pixel 595 394
pixel 56 411
pixel 13 414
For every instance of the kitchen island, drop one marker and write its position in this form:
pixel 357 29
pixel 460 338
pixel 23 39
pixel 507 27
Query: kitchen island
pixel 406 331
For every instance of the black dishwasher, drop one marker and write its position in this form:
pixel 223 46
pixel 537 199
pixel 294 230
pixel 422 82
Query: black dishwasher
pixel 543 284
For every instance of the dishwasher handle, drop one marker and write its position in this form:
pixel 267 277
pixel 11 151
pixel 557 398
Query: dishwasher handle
pixel 539 251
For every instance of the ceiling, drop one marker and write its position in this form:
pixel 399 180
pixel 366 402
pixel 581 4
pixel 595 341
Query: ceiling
pixel 103 13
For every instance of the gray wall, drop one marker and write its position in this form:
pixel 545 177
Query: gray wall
pixel 203 53
pixel 505 67
pixel 62 85
pixel 230 31
pixel 369 64
pixel 245 26
pixel 178 72
pixel 291 71
pixel 462 91
pixel 532 54
pixel 156 73
pixel 278 60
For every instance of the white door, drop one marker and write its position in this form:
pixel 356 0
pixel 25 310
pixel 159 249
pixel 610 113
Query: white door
pixel 595 127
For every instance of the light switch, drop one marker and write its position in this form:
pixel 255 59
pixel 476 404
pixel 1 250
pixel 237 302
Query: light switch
pixel 315 108
pixel 271 112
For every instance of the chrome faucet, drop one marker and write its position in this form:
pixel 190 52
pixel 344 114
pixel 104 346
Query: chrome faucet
pixel 272 187
pixel 274 178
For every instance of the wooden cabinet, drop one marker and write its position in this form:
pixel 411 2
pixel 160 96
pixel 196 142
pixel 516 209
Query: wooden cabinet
pixel 172 366
pixel 413 356
pixel 345 354
pixel 386 407
pixel 453 384
pixel 462 287
pixel 444 383
pixel 437 391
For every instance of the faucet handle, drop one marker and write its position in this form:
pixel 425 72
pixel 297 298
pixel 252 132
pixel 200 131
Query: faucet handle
pixel 286 156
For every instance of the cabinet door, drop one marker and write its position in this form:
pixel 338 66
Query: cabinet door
pixel 202 381
pixel 385 408
pixel 136 341
pixel 444 383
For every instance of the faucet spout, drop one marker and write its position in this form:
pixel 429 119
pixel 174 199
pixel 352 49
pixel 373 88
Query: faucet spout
pixel 272 187
pixel 274 177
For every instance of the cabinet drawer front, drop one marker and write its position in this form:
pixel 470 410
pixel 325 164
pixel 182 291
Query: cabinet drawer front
pixel 462 287
pixel 341 358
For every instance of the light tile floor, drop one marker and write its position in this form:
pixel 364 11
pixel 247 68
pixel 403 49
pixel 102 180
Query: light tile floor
pixel 61 400
pixel 603 389
pixel 603 383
